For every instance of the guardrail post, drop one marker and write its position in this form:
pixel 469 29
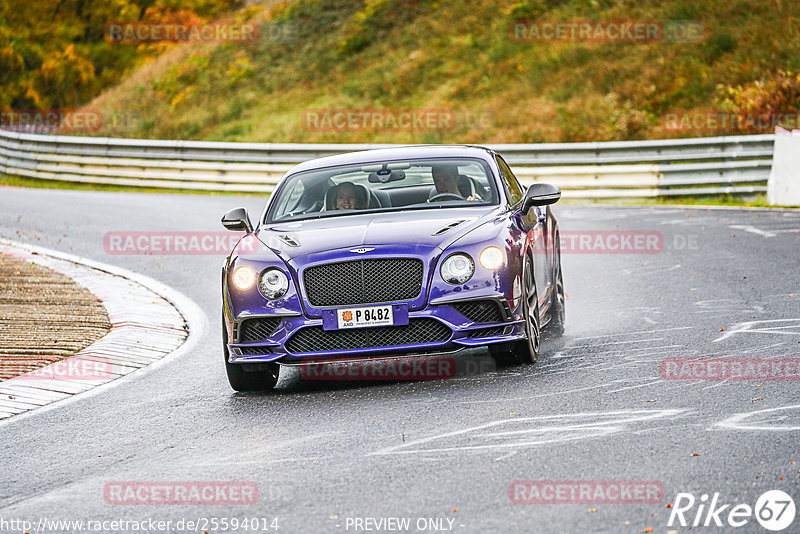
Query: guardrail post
pixel 783 187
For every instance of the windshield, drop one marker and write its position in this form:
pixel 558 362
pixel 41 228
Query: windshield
pixel 439 183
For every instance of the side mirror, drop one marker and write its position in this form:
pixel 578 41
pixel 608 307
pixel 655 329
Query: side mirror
pixel 237 219
pixel 540 194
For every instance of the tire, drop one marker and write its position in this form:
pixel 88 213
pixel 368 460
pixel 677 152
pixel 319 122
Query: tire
pixel 558 313
pixel 503 354
pixel 240 380
pixel 527 351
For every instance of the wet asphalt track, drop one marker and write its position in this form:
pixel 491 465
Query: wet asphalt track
pixel 593 408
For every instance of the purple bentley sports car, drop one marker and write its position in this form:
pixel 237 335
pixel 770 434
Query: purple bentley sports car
pixel 394 252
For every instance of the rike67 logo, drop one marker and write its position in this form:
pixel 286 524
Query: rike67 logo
pixel 774 510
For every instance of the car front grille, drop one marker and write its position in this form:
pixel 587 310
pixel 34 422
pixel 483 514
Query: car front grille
pixel 315 339
pixel 480 311
pixel 257 329
pixel 363 282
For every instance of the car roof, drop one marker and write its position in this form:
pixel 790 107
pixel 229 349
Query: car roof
pixel 396 153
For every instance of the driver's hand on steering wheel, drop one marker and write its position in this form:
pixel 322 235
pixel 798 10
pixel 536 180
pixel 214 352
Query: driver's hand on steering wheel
pixel 441 197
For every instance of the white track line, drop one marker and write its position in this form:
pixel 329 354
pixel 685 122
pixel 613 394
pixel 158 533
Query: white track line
pixel 151 324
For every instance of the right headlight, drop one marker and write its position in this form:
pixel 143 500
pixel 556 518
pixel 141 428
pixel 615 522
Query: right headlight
pixel 457 269
pixel 273 283
pixel 491 258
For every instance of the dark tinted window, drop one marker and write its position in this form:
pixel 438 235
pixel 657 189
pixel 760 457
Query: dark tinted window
pixel 431 183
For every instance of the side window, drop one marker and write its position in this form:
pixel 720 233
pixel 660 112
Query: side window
pixel 512 185
pixel 291 199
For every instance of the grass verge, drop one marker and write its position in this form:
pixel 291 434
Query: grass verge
pixel 744 201
pixel 20 181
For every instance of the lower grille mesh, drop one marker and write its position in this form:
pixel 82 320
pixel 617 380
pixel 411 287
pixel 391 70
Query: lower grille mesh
pixel 257 329
pixel 480 311
pixel 315 339
pixel 255 350
pixel 486 332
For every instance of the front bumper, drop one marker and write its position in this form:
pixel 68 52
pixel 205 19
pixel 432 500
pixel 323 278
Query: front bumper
pixel 441 327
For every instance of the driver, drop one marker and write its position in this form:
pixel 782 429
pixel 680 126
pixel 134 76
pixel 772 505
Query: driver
pixel 445 178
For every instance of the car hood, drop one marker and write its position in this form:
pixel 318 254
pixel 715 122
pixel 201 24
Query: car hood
pixel 427 229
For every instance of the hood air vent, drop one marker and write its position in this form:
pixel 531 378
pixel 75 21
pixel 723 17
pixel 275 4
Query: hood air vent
pixel 289 240
pixel 448 227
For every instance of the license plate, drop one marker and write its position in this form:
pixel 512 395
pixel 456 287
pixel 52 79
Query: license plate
pixel 363 317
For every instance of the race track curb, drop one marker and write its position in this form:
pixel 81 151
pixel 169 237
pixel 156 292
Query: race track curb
pixel 149 323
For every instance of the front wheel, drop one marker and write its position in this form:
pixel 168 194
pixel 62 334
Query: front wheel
pixel 558 315
pixel 262 379
pixel 527 351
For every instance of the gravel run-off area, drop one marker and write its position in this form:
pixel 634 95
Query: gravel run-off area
pixel 44 317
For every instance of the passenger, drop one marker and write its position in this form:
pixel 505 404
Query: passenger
pixel 348 197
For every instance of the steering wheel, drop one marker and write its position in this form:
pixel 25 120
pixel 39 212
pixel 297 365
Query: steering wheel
pixel 444 197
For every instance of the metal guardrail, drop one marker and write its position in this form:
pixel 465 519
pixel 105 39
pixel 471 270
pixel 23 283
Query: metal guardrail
pixel 712 165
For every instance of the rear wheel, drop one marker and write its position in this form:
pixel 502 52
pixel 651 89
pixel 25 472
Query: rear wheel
pixel 527 351
pixel 261 379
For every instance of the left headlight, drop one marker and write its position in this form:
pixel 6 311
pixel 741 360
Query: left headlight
pixel 243 278
pixel 273 283
pixel 457 269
